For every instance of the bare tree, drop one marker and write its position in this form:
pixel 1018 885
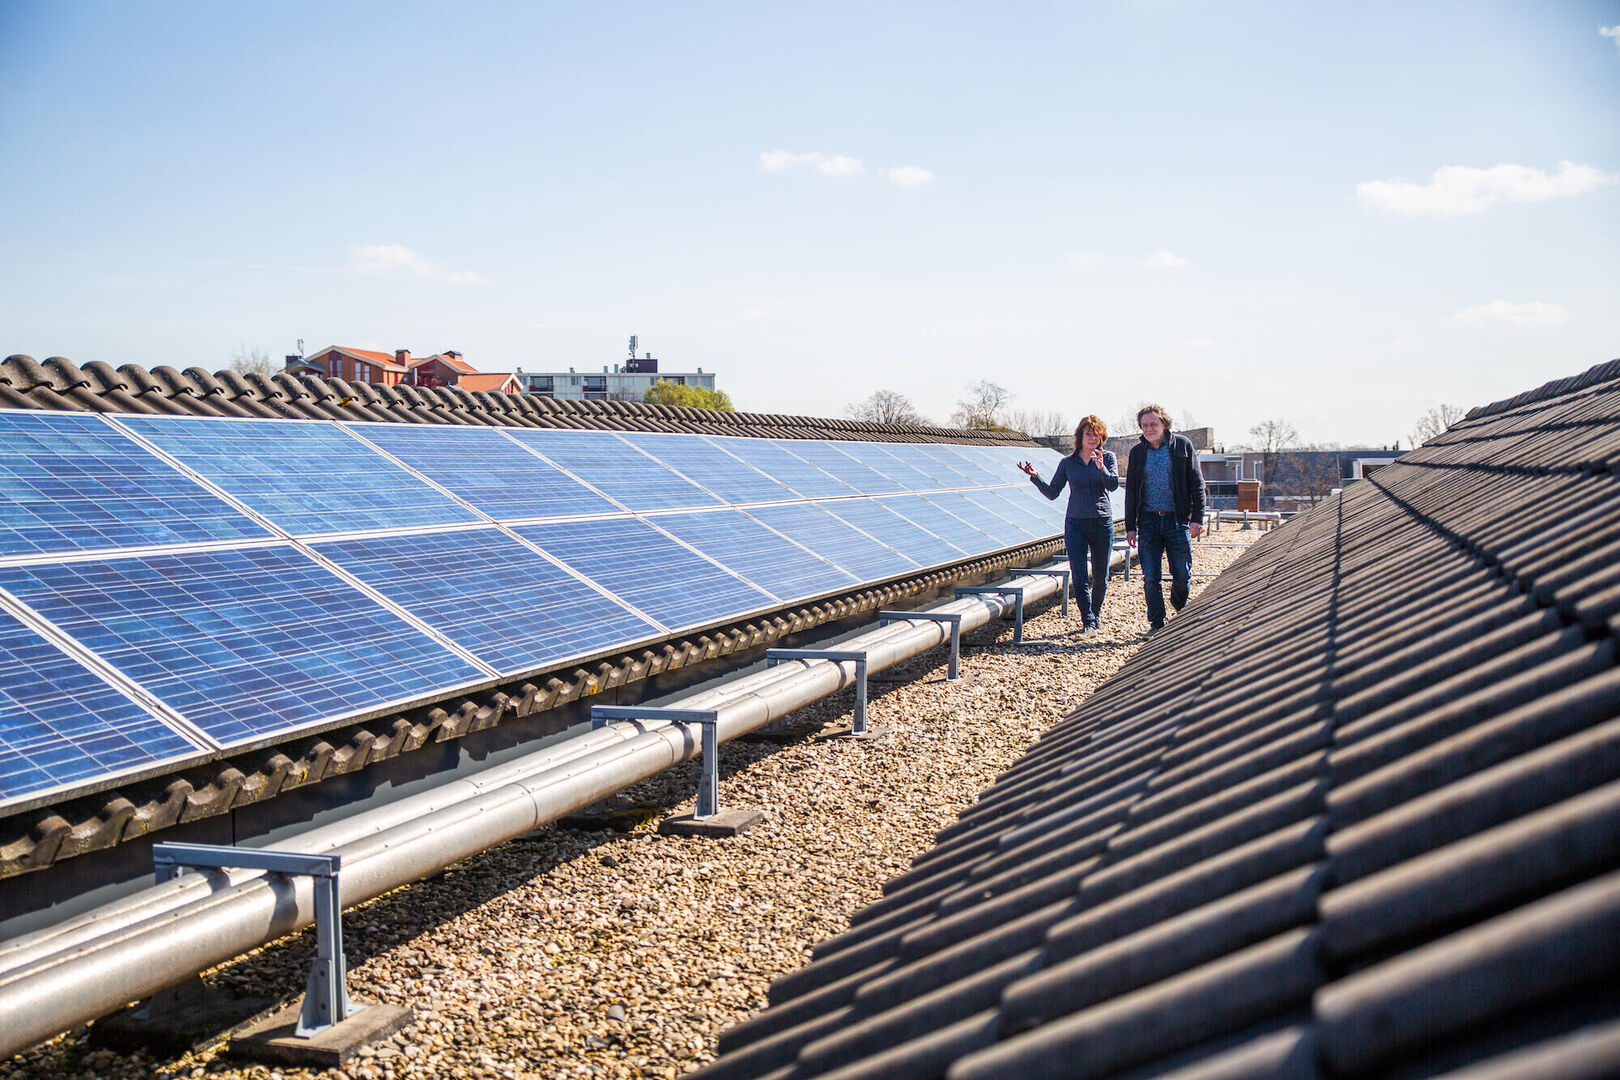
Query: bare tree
pixel 1036 422
pixel 886 407
pixel 1271 438
pixel 1435 422
pixel 984 407
pixel 248 361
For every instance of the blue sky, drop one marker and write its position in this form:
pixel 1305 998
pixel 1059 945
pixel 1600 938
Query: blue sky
pixel 1233 209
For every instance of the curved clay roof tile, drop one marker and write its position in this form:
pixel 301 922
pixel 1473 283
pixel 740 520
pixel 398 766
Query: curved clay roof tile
pixel 25 374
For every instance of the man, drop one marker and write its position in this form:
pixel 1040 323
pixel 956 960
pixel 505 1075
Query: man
pixel 1164 508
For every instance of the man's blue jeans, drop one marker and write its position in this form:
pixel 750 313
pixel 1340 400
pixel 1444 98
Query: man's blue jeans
pixel 1094 535
pixel 1160 536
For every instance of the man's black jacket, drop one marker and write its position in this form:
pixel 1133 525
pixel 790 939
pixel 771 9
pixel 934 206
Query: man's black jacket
pixel 1186 482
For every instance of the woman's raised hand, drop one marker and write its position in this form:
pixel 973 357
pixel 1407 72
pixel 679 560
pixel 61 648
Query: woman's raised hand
pixel 1027 467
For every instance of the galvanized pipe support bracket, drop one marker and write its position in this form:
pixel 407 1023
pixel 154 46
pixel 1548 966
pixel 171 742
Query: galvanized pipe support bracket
pixel 1001 590
pixel 858 725
pixel 708 797
pixel 1052 571
pixel 951 617
pixel 326 993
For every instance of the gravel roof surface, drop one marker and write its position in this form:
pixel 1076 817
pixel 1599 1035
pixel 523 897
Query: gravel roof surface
pixel 595 953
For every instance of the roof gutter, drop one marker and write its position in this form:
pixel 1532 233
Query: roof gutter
pixel 95 963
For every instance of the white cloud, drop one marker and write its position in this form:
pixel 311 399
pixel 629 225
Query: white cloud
pixel 825 164
pixel 1503 313
pixel 909 176
pixel 1611 32
pixel 839 165
pixel 752 313
pixel 1164 260
pixel 1198 343
pixel 1461 189
pixel 399 260
pixel 1082 258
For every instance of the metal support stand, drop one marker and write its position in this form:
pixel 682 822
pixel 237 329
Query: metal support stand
pixel 954 618
pixel 708 796
pixel 1126 548
pixel 326 993
pixel 1052 571
pixel 1001 590
pixel 858 726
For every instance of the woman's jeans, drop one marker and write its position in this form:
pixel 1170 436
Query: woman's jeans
pixel 1095 535
pixel 1160 536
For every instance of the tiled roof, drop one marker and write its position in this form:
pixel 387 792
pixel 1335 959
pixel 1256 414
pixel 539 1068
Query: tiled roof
pixel 37 837
pixel 454 362
pixel 58 383
pixel 387 361
pixel 1354 813
pixel 487 381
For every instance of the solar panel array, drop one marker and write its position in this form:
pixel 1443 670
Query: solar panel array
pixel 173 587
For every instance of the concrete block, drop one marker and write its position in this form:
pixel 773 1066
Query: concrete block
pixel 725 823
pixel 272 1039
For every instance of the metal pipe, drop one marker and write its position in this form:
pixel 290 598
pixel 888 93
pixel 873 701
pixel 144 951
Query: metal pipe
pixel 104 959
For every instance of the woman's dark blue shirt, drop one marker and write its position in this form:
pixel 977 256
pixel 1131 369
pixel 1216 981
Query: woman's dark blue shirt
pixel 1088 484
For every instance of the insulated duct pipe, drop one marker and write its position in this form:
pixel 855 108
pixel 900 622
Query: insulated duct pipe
pixel 98 962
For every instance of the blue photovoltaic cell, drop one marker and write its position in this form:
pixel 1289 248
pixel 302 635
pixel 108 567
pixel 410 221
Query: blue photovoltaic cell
pixel 60 724
pixel 243 643
pixel 895 468
pixel 1019 512
pixel 1003 530
pixel 835 540
pixel 777 461
pixel 72 482
pixel 830 458
pixel 307 476
pixel 608 463
pixel 1029 497
pixel 940 472
pixel 710 467
pixel 770 561
pixel 489 470
pixel 911 540
pixel 643 567
pixel 940 522
pixel 491 595
pixel 974 463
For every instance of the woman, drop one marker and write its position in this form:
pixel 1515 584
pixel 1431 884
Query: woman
pixel 1088 525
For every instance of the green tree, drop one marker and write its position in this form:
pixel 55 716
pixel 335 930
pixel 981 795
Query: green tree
pixel 664 392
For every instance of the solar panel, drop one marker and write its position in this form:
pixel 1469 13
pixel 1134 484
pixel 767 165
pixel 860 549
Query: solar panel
pixel 60 724
pixel 73 482
pixel 705 463
pixel 492 595
pixel 768 560
pixel 606 462
pixel 940 472
pixel 972 462
pixel 878 458
pixel 942 523
pixel 982 517
pixel 835 540
pixel 490 471
pixel 910 539
pixel 306 476
pixel 777 460
pixel 858 475
pixel 648 570
pixel 250 640
pixel 1036 526
pixel 242 643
